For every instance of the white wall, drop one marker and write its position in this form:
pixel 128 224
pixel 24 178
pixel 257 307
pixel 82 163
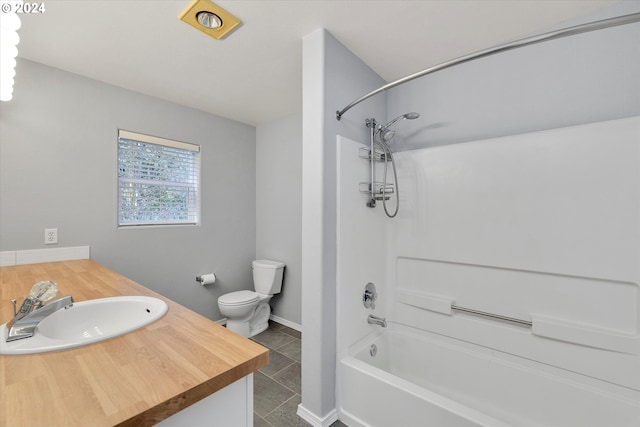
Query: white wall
pixel 581 79
pixel 362 247
pixel 279 209
pixel 58 168
pixel 543 227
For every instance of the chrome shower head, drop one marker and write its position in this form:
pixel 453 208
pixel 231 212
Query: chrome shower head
pixel 409 116
pixel 386 134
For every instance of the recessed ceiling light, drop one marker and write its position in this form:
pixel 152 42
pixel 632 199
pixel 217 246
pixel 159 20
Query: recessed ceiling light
pixel 209 18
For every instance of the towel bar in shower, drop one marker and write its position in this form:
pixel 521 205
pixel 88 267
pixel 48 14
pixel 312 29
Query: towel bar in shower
pixel 445 305
pixel 491 315
pixel 568 330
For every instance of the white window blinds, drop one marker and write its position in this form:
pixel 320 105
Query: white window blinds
pixel 157 180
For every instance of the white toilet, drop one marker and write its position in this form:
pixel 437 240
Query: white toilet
pixel 248 312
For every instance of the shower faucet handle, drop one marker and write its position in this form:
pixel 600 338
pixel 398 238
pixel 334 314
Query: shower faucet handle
pixel 369 296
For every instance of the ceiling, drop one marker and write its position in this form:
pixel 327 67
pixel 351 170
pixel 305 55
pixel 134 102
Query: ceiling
pixel 254 75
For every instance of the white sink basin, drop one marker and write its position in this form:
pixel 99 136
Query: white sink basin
pixel 87 322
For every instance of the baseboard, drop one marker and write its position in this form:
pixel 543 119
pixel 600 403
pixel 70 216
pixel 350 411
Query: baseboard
pixel 276 319
pixel 286 322
pixel 35 256
pixel 316 421
pixel 7 258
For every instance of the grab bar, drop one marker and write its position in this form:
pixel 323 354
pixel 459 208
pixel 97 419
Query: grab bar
pixel 491 315
pixel 564 328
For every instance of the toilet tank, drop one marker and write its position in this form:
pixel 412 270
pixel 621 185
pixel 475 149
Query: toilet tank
pixel 267 276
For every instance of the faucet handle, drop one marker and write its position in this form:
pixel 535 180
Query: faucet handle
pixel 13 302
pixel 44 291
pixel 369 296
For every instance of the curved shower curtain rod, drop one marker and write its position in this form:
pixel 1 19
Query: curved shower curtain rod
pixel 552 35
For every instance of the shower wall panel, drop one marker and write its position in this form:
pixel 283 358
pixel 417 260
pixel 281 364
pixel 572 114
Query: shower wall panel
pixel 543 227
pixel 363 252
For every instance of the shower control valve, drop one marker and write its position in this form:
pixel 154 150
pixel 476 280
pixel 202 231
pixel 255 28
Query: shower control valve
pixel 369 296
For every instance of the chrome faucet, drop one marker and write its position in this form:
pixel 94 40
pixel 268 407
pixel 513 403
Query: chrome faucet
pixel 31 313
pixel 375 320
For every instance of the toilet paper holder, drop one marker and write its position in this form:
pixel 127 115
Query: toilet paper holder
pixel 206 279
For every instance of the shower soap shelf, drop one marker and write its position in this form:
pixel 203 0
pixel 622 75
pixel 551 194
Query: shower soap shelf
pixel 365 153
pixel 378 194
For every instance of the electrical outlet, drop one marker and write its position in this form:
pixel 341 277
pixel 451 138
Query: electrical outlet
pixel 50 236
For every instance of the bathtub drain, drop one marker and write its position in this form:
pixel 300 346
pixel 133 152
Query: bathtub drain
pixel 373 350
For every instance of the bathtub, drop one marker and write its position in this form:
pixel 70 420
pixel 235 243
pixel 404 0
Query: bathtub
pixel 414 378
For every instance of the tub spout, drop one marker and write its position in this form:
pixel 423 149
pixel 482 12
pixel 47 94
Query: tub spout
pixel 375 320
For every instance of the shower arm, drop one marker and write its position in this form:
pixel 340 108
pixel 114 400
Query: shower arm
pixel 552 35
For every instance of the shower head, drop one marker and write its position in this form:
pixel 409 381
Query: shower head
pixel 409 116
pixel 386 134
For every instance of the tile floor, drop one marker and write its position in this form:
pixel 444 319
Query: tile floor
pixel 276 386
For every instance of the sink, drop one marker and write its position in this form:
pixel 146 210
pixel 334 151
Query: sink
pixel 87 322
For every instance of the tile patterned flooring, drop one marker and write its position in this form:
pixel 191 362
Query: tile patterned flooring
pixel 277 386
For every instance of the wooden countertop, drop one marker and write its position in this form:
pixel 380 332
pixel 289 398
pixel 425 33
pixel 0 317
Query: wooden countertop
pixel 137 379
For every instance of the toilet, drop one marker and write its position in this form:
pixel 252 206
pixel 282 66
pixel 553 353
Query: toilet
pixel 248 312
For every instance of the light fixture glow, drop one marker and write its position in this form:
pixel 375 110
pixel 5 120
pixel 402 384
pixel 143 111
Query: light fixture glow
pixel 9 25
pixel 10 19
pixel 9 37
pixel 209 19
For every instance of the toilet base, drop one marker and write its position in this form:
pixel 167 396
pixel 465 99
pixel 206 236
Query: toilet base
pixel 259 322
pixel 258 328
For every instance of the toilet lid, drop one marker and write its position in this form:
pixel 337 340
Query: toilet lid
pixel 238 298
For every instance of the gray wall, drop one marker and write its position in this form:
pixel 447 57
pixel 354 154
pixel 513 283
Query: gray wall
pixel 279 208
pixel 332 77
pixel 58 169
pixel 575 80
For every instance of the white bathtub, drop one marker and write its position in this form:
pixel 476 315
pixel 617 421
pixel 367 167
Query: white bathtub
pixel 420 379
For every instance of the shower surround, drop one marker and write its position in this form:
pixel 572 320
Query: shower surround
pixel 489 219
pixel 543 227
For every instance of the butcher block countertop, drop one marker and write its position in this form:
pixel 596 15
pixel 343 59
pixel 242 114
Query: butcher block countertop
pixel 137 379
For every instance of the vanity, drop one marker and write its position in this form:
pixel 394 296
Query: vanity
pixel 182 369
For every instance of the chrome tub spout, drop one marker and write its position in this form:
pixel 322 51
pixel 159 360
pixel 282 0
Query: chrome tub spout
pixel 375 320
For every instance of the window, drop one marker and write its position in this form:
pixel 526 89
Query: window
pixel 157 180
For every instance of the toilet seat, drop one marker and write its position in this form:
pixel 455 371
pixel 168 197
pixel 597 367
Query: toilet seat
pixel 238 298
